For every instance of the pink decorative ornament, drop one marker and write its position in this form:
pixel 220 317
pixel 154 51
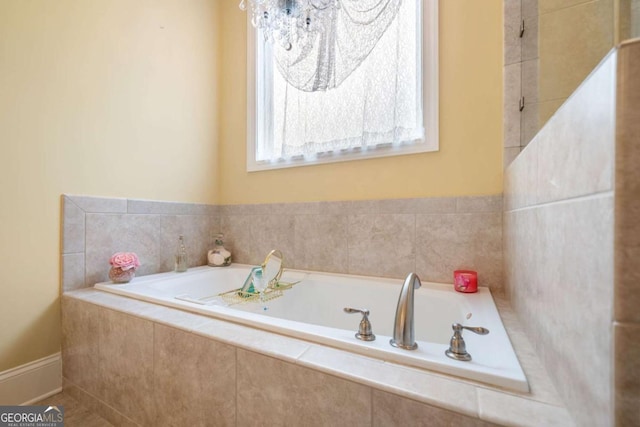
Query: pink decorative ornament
pixel 123 267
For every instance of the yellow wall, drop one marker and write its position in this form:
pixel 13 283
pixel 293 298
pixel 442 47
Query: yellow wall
pixel 109 98
pixel 470 158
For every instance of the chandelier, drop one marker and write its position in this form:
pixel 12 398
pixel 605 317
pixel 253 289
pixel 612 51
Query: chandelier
pixel 289 22
pixel 319 43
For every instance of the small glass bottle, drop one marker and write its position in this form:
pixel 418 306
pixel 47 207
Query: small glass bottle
pixel 219 256
pixel 181 256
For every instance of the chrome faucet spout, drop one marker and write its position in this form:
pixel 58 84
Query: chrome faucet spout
pixel 403 332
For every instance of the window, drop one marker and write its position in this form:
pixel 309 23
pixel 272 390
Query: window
pixel 387 106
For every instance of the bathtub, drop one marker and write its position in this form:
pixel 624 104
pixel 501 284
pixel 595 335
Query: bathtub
pixel 313 310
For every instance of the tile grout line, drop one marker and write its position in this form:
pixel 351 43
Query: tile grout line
pixel 585 197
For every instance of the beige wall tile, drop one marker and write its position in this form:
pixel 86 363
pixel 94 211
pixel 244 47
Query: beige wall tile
pixel 569 278
pixel 521 179
pixel 530 38
pixel 473 204
pixel 460 241
pixel 530 81
pixel 281 393
pixel 627 374
pixel 91 204
pixel 126 365
pixel 194 379
pixel 97 406
pixel 321 243
pixel 512 41
pixel 389 410
pixel 80 344
pixel 530 8
pixel 502 409
pixel 627 193
pixel 251 237
pixel 108 233
pixel 135 206
pixel 576 146
pixel 382 245
pixel 271 344
pixel 403 206
pixel 73 230
pixel 72 271
pixel 510 153
pixel 198 232
pixel 529 123
pixel 431 388
pixel 512 93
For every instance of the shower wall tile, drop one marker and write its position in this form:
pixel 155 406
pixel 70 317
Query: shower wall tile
pixel 512 18
pixel 529 123
pixel 389 409
pixel 193 379
pixel 563 223
pixel 521 178
pixel 530 8
pixel 509 155
pixel 558 261
pixel 511 104
pixel 286 394
pixel 382 244
pixel 72 271
pixel 321 242
pixel 73 232
pixel 460 241
pixel 530 81
pixel 530 37
pixel 586 120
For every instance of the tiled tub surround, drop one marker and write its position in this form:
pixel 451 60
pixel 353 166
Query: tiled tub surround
pixel 313 311
pixel 174 367
pixel 385 238
pixel 94 228
pixel 561 243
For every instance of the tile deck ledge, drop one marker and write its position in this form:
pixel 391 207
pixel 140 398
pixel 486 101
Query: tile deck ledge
pixel 462 396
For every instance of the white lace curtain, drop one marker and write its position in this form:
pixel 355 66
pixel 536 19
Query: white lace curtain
pixel 358 85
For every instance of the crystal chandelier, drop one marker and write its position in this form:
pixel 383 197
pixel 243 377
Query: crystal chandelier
pixel 288 22
pixel 321 42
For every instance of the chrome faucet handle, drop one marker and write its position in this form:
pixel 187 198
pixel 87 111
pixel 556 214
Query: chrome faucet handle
pixel 457 347
pixel 364 331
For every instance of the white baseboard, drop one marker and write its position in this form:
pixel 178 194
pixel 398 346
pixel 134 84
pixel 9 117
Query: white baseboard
pixel 31 382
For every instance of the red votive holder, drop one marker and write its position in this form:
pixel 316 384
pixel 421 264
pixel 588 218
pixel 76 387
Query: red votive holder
pixel 465 281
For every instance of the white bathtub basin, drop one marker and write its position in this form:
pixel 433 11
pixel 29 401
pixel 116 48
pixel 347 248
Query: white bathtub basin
pixel 313 310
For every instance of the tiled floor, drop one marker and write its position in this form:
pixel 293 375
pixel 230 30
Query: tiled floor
pixel 74 413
